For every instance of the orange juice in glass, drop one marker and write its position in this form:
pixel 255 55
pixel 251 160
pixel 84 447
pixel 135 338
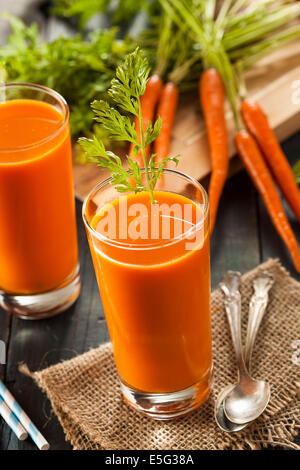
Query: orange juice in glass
pixel 153 270
pixel 39 273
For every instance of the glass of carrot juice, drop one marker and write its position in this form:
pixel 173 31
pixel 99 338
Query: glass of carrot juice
pixel 39 273
pixel 152 265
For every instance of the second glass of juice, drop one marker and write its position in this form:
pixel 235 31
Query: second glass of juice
pixel 39 272
pixel 153 270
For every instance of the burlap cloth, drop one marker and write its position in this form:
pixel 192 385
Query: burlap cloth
pixel 85 393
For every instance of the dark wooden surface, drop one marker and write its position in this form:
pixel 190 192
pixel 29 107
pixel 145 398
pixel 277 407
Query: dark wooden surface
pixel 243 237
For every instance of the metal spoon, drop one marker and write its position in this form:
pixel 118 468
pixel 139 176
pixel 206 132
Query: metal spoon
pixel 222 421
pixel 248 398
pixel 262 284
pixel 257 307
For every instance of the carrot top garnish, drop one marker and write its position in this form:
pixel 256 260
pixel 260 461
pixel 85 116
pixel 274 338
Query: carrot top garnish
pixel 148 103
pixel 126 90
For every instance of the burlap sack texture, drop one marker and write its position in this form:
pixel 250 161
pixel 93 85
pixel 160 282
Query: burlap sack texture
pixel 85 394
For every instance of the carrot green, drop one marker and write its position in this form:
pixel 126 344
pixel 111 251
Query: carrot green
pixel 125 91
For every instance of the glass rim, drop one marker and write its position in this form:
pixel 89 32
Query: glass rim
pixel 50 92
pixel 159 243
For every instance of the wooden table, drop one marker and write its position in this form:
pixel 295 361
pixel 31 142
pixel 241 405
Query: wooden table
pixel 243 238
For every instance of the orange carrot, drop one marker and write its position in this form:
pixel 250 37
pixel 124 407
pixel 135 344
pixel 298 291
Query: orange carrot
pixel 257 123
pixel 166 110
pixel 148 104
pixel 212 96
pixel 261 176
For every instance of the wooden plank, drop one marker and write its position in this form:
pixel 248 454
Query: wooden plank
pixel 235 242
pixel 5 323
pixel 4 336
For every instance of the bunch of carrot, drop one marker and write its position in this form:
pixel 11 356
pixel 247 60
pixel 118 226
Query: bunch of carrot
pixel 259 150
pixel 255 141
pixel 254 147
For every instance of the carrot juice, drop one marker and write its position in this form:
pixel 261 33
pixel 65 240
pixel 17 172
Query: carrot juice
pixel 154 282
pixel 38 242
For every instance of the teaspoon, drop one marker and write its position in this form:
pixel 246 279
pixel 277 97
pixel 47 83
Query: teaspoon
pixel 239 404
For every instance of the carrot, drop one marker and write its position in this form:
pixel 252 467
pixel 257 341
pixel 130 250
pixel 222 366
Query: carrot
pixel 257 123
pixel 148 104
pixel 166 110
pixel 254 162
pixel 212 96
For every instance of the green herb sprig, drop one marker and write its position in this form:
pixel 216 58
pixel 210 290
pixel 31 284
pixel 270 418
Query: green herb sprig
pixel 80 69
pixel 296 171
pixel 120 11
pixel 125 91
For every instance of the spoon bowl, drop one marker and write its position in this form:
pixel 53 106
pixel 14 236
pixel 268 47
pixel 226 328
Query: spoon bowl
pixel 222 421
pixel 240 404
pixel 247 400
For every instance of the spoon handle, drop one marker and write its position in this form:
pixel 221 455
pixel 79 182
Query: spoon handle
pixel 257 307
pixel 230 286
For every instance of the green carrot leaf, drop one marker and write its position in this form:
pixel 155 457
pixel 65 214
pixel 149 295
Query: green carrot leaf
pixel 152 131
pixel 125 91
pixel 122 179
pixel 156 172
pixel 296 171
pixel 119 127
pixel 120 10
pixel 79 68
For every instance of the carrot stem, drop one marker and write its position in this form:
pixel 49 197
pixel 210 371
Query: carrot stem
pixel 148 103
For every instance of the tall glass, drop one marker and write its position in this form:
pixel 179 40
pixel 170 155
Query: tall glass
pixel 39 273
pixel 156 298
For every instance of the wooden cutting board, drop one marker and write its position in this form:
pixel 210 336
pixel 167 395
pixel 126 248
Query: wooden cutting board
pixel 274 82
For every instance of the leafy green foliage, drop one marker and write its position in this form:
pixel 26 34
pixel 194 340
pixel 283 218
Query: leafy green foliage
pixel 83 9
pixel 119 127
pixel 126 89
pixel 152 132
pixel 156 172
pixel 296 171
pixel 130 82
pixel 81 70
pixel 121 10
pixel 96 153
